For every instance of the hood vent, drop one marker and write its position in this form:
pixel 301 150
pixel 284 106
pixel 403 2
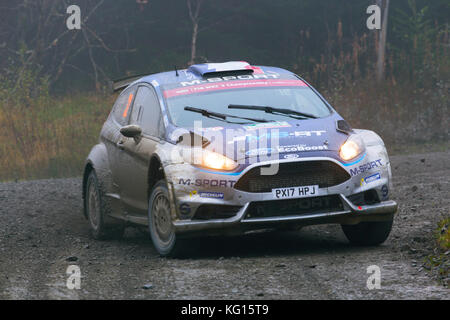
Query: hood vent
pixel 344 127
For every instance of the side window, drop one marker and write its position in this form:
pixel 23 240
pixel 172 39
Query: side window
pixel 123 105
pixel 148 111
pixel 137 109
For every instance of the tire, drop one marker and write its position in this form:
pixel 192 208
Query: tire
pixel 160 224
pixel 368 233
pixel 97 209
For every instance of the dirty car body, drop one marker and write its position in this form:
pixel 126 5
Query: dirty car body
pixel 234 148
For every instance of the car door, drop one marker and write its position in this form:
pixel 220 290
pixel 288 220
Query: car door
pixel 111 136
pixel 136 153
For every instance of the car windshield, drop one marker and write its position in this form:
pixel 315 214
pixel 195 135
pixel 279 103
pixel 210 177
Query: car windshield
pixel 297 98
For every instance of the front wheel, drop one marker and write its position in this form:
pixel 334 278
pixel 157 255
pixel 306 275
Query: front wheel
pixel 160 224
pixel 368 233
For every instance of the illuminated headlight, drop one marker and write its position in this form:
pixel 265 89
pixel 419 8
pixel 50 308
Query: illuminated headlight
pixel 216 161
pixel 208 159
pixel 352 148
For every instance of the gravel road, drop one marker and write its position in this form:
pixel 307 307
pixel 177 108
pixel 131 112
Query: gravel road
pixel 42 232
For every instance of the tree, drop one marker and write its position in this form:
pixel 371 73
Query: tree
pixel 194 13
pixel 384 5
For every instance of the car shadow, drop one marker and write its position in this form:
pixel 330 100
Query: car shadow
pixel 316 239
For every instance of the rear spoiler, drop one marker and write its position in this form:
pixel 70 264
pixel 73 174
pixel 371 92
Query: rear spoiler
pixel 119 84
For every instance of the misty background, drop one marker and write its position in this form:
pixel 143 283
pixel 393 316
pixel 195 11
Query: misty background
pixel 54 82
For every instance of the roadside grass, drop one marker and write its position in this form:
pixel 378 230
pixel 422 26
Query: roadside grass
pixel 50 138
pixel 439 261
pixel 401 114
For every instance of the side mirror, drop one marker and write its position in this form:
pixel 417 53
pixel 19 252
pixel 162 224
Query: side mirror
pixel 131 131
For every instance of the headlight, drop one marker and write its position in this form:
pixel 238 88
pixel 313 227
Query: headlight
pixel 208 159
pixel 214 160
pixel 352 148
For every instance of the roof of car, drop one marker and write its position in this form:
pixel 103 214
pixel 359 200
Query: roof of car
pixel 202 71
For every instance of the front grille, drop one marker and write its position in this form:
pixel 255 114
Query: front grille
pixel 294 174
pixel 291 207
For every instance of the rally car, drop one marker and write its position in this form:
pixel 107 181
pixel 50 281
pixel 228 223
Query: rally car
pixel 230 148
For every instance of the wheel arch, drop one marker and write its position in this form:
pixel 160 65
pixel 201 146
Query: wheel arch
pixel 155 173
pixel 97 161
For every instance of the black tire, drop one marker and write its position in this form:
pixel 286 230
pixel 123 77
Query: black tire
pixel 368 233
pixel 97 209
pixel 160 224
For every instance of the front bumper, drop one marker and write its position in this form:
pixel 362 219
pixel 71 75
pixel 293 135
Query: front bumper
pixel 371 173
pixel 350 214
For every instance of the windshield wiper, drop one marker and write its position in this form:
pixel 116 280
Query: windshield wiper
pixel 221 116
pixel 272 110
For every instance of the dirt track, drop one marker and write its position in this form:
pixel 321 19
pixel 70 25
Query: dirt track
pixel 42 226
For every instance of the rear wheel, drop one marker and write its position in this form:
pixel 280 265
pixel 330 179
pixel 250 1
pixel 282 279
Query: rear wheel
pixel 98 209
pixel 368 233
pixel 160 224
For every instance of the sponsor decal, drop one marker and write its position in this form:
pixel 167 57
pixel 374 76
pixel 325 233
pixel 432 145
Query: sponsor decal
pixel 185 209
pixel 282 134
pixel 211 195
pixel 291 156
pixel 285 149
pixel 207 183
pixel 366 167
pixel 308 133
pixel 301 148
pixel 260 152
pixel 371 178
pixel 192 193
pixel 230 78
pixel 190 88
pixel 385 192
pixel 268 125
pixel 266 135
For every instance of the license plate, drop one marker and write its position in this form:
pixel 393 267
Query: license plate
pixel 295 192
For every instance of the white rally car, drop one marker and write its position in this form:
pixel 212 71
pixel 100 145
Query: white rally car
pixel 226 148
